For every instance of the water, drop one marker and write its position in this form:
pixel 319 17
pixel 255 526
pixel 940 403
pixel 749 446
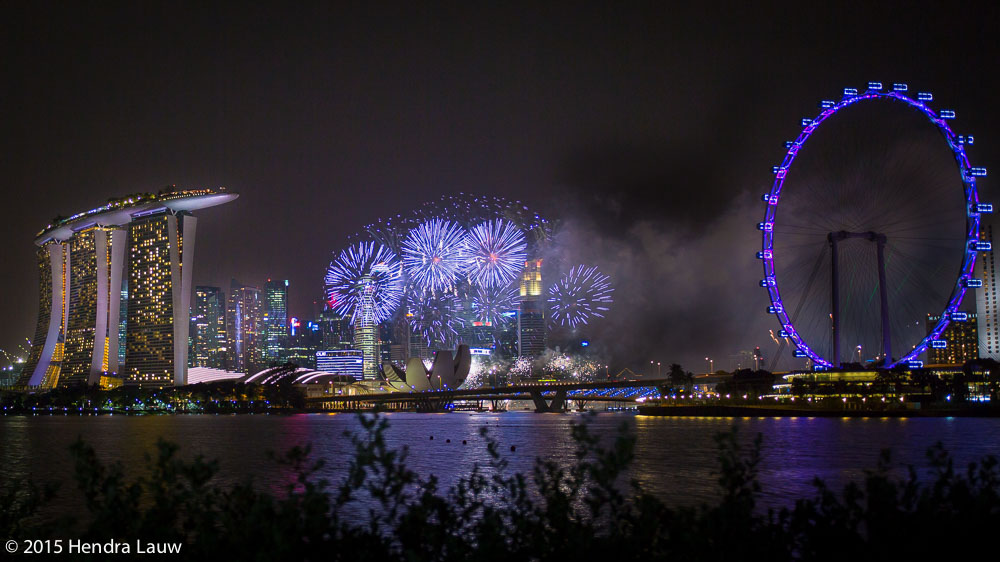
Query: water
pixel 675 457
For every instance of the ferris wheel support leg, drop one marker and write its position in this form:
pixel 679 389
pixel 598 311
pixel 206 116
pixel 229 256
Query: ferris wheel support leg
pixel 884 298
pixel 835 300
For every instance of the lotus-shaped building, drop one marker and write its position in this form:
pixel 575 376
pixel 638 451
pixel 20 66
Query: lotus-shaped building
pixel 447 372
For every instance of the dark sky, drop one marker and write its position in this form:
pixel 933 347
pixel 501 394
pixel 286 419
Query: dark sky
pixel 650 129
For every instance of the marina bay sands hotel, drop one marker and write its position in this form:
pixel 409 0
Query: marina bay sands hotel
pixel 115 291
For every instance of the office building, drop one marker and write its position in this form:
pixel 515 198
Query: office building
pixel 275 321
pixel 348 362
pixel 987 306
pixel 531 336
pixel 960 340
pixel 208 328
pixel 245 328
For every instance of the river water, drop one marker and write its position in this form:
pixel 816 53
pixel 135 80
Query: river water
pixel 675 457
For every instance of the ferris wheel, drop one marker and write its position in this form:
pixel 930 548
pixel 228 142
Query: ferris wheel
pixel 860 261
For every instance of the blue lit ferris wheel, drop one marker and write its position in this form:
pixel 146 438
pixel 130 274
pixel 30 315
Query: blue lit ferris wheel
pixel 894 261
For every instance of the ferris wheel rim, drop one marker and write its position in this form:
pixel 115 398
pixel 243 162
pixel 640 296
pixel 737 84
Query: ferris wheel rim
pixel 968 175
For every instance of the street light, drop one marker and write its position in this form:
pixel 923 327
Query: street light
pixel 711 365
pixel 657 369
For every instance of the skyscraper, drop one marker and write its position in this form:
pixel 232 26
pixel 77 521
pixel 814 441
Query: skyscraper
pixel 961 340
pixel 987 306
pixel 245 327
pixel 275 321
pixel 531 312
pixel 366 331
pixel 138 248
pixel 208 328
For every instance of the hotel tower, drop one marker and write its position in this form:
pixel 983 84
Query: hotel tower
pixel 141 246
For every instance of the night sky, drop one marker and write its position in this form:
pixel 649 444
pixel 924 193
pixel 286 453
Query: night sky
pixel 650 131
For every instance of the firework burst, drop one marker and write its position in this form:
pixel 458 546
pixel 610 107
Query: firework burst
pixel 580 295
pixel 433 316
pixel 364 278
pixel 490 304
pixel 433 254
pixel 495 252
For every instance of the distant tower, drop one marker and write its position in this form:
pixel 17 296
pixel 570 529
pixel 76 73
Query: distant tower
pixel 987 306
pixel 531 313
pixel 366 329
pixel 208 328
pixel 245 328
pixel 275 321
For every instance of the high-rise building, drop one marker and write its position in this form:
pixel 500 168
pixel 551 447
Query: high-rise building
pixel 115 287
pixel 245 327
pixel 208 328
pixel 348 362
pixel 531 312
pixel 366 331
pixel 960 338
pixel 987 305
pixel 275 321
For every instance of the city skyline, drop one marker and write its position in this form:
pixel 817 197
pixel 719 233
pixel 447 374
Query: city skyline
pixel 654 148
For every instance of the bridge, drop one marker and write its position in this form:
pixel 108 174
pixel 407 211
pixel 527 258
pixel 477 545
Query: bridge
pixel 546 397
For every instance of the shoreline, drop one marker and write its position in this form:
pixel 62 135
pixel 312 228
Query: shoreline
pixel 729 411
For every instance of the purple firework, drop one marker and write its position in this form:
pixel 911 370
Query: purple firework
pixel 433 254
pixel 490 304
pixel 495 251
pixel 581 294
pixel 364 279
pixel 433 316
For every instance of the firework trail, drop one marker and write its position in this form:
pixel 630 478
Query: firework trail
pixel 490 304
pixel 365 272
pixel 496 252
pixel 433 317
pixel 433 254
pixel 580 295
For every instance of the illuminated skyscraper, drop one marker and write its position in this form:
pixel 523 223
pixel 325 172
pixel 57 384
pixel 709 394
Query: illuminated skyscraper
pixel 961 340
pixel 366 331
pixel 987 305
pixel 208 328
pixel 275 321
pixel 245 327
pixel 531 313
pixel 132 255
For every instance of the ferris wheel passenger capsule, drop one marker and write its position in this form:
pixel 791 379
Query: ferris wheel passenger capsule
pixel 947 114
pixel 984 207
pixel 806 121
pixel 915 364
pixel 981 246
pixel 767 282
pixel 939 344
pixel 799 353
pixel 925 96
pixel 766 226
pixel 775 309
pixel 965 139
pixel 850 92
pixel 960 316
pixel 899 87
pixel 977 172
pixel 973 283
pixel 783 334
pixel 827 104
pixel 877 86
pixel 765 255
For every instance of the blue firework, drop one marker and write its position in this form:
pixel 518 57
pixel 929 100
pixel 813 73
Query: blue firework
pixel 579 296
pixel 490 304
pixel 495 253
pixel 433 254
pixel 433 316
pixel 365 279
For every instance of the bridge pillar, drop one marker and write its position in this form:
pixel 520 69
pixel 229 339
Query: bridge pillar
pixel 557 404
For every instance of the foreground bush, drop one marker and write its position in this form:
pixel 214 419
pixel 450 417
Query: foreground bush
pixel 582 513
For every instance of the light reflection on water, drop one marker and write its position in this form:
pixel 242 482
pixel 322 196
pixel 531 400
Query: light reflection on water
pixel 675 457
